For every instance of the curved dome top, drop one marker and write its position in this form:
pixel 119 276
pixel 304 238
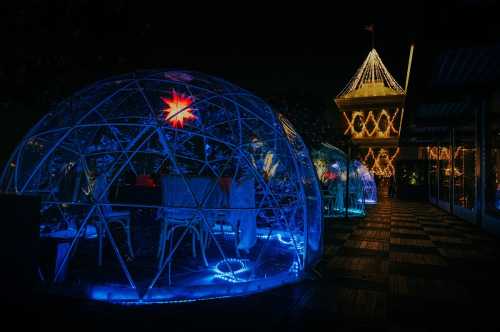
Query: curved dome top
pixel 137 97
pixel 215 193
pixel 115 109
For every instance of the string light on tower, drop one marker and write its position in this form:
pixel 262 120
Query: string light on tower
pixel 371 79
pixel 383 162
pixel 372 106
pixel 378 130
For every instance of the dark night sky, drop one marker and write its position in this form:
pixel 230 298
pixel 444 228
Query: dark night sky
pixel 311 49
pixel 266 49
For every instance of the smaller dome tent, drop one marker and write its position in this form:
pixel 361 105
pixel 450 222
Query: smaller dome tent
pixel 368 181
pixel 168 186
pixel 341 196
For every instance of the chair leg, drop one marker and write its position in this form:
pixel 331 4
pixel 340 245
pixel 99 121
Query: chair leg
pixel 237 238
pixel 101 238
pixel 170 238
pixel 169 273
pixel 206 239
pixel 169 235
pixel 165 237
pixel 193 243
pixel 129 242
pixel 171 247
pixel 162 239
pixel 202 248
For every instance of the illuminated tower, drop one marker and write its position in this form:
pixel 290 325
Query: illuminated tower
pixel 372 107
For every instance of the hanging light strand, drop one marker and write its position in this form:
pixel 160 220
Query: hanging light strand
pixel 371 71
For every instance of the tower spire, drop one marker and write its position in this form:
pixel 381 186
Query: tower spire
pixel 371 79
pixel 371 28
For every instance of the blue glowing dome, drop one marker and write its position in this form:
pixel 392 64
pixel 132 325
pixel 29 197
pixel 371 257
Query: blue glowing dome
pixel 168 186
pixel 340 197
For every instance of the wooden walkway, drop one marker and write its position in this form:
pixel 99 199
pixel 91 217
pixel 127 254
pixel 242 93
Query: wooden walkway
pixel 408 265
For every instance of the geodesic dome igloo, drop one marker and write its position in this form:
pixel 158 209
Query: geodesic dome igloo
pixel 368 183
pixel 341 198
pixel 167 186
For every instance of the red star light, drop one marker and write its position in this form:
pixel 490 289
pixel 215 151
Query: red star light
pixel 178 109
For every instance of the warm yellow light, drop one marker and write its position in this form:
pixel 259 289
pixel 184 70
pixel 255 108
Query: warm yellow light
pixel 270 167
pixel 383 162
pixel 290 133
pixel 321 168
pixel 372 79
pixel 447 172
pixel 368 118
pixel 444 153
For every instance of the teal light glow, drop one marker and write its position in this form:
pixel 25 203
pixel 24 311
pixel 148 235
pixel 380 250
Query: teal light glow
pixel 342 183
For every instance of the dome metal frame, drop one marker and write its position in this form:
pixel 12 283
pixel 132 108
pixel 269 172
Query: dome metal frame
pixel 123 128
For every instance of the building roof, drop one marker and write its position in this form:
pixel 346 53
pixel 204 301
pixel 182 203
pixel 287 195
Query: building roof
pixel 371 82
pixel 458 81
pixel 458 76
pixel 466 67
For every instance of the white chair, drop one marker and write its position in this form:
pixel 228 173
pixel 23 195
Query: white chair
pixel 108 215
pixel 181 211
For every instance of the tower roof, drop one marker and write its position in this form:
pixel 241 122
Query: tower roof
pixel 371 80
